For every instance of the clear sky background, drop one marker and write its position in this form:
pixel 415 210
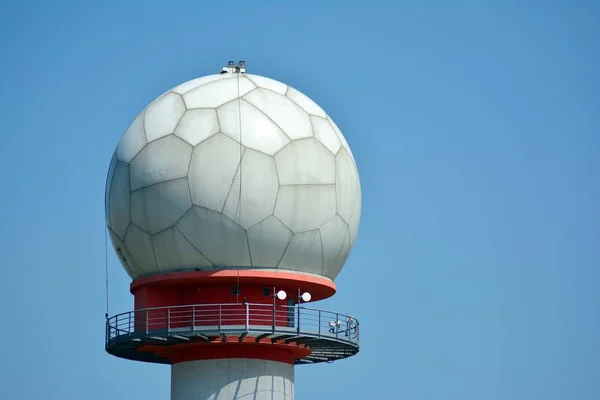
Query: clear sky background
pixel 476 130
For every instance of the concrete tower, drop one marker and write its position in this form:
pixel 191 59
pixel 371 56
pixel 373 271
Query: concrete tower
pixel 232 200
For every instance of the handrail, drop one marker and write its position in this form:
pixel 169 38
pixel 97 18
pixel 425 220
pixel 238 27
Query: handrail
pixel 235 318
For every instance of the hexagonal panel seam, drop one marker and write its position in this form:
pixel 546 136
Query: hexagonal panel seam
pixel 277 193
pixel 320 141
pixel 236 99
pixel 162 137
pixel 299 106
pixel 237 169
pixel 222 104
pixel 191 244
pixel 188 181
pixel 322 250
pixel 262 87
pixel 152 244
pixel 170 226
pixel 107 186
pixel 128 268
pixel 314 229
pixel 218 120
pixel 148 143
pixel 306 184
pixel 267 89
pixel 265 114
pixel 287 247
pixel 312 128
pixel 344 143
pixel 202 84
pixel 275 157
pixel 158 183
pixel 248 244
pixel 176 124
pixel 141 115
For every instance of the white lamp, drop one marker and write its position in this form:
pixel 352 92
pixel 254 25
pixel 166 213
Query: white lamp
pixel 281 295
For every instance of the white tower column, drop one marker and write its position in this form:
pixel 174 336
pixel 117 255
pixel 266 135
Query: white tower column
pixel 232 379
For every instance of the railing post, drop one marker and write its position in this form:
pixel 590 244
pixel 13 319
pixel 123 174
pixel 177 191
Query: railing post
pixel 348 324
pixel 193 318
pixel 298 307
pixel 319 323
pixel 146 322
pixel 169 319
pixel 219 318
pixel 349 327
pixel 274 314
pixel 247 316
pixel 129 324
pixel 337 328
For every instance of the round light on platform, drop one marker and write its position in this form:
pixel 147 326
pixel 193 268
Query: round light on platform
pixel 306 296
pixel 281 295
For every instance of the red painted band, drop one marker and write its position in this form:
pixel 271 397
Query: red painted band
pixel 285 353
pixel 319 287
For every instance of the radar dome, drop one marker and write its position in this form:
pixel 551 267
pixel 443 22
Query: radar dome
pixel 233 171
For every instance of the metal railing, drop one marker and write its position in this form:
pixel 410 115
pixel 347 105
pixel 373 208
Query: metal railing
pixel 235 319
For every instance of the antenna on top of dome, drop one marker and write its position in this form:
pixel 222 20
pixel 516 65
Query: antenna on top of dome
pixel 233 68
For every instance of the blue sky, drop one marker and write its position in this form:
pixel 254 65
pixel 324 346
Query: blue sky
pixel 476 130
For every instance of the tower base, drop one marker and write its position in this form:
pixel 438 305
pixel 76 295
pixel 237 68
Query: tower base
pixel 232 379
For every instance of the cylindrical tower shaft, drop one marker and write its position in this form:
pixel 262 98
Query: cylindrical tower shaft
pixel 232 378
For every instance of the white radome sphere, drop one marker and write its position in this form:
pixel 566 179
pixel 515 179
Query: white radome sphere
pixel 173 199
